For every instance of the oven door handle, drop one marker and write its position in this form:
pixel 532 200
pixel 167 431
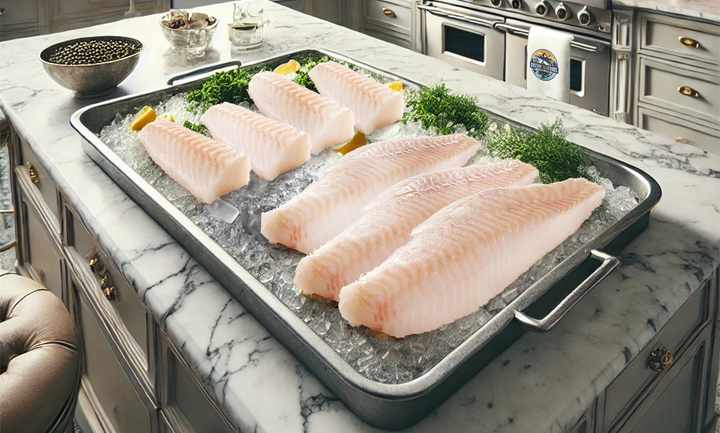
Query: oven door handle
pixel 524 32
pixel 453 15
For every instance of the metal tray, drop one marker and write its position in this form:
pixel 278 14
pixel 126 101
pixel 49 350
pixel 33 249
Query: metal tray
pixel 391 406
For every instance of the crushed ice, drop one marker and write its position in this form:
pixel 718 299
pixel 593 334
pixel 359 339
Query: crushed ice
pixel 381 359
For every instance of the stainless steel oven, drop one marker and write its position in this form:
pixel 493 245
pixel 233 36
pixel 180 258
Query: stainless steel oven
pixel 464 38
pixel 490 40
pixel 589 66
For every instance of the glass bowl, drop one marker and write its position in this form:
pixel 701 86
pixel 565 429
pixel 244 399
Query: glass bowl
pixel 191 41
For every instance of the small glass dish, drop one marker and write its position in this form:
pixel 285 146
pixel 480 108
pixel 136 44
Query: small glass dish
pixel 246 36
pixel 191 41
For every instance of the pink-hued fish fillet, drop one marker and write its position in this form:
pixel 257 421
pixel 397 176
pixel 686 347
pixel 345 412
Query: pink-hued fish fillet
pixel 201 165
pixel 386 223
pixel 325 120
pixel 327 206
pixel 466 254
pixel 273 147
pixel 372 103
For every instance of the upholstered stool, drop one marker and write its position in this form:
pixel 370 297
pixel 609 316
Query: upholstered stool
pixel 39 359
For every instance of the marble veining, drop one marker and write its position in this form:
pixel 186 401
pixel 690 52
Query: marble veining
pixel 543 383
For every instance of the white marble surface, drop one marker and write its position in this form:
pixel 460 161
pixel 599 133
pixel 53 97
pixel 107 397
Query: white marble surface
pixel 542 383
pixel 699 9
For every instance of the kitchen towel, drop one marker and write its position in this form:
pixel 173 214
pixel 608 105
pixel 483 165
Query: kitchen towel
pixel 548 66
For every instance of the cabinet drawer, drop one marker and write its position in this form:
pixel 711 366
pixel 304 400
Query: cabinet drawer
pixel 388 15
pixel 673 405
pixel 40 179
pixel 673 127
pixel 660 85
pixel 124 300
pixel 18 12
pixel 109 386
pixel 665 35
pixel 675 336
pixel 185 403
pixel 40 252
pixel 68 8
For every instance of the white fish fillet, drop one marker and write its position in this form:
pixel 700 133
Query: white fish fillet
pixel 327 206
pixel 273 147
pixel 466 254
pixel 372 103
pixel 201 165
pixel 386 223
pixel 325 120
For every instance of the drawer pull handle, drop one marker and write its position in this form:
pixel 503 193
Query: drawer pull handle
pixel 688 42
pixel 2 11
pixel 94 1
pixel 389 12
pixel 684 140
pixel 33 174
pixel 688 91
pixel 660 359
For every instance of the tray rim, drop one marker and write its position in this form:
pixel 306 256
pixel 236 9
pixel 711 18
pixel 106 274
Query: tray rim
pixel 400 391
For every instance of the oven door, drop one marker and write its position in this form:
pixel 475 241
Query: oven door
pixel 589 66
pixel 463 38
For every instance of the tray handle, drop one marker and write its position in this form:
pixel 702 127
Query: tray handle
pixel 609 263
pixel 203 69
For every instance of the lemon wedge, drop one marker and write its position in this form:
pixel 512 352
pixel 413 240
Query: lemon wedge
pixel 166 116
pixel 395 86
pixel 288 68
pixel 357 141
pixel 144 116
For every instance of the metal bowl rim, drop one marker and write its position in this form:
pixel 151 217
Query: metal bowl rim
pixel 69 41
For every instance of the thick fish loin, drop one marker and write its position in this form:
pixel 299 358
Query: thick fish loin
pixel 372 103
pixel 201 165
pixel 273 147
pixel 326 121
pixel 328 205
pixel 466 254
pixel 386 223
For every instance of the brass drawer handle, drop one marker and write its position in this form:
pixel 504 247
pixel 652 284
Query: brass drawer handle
pixel 684 140
pixel 688 91
pixel 33 173
pixel 389 12
pixel 660 359
pixel 2 11
pixel 688 42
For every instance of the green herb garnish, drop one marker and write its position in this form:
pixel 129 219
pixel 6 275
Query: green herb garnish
pixel 227 86
pixel 547 150
pixel 201 129
pixel 438 110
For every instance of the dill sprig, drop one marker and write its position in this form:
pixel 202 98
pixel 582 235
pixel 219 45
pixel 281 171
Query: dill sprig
pixel 226 86
pixel 199 128
pixel 440 111
pixel 546 149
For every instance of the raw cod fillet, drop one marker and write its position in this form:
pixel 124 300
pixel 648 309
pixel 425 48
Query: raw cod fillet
pixel 386 223
pixel 273 147
pixel 201 165
pixel 328 205
pixel 325 120
pixel 466 254
pixel 372 103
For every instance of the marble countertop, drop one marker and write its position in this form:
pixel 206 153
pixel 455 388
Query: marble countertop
pixel 708 10
pixel 543 382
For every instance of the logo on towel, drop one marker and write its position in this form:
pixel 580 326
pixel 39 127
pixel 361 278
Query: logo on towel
pixel 544 65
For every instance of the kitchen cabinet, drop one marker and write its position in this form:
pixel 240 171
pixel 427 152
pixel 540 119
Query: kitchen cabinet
pixel 677 77
pixel 21 18
pixel 343 12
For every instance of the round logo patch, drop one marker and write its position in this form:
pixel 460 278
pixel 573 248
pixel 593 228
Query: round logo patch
pixel 544 65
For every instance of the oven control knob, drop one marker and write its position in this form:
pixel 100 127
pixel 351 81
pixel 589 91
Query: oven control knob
pixel 541 8
pixel 584 16
pixel 515 4
pixel 496 3
pixel 562 12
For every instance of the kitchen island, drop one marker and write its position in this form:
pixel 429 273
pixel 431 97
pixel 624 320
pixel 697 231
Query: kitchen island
pixel 543 382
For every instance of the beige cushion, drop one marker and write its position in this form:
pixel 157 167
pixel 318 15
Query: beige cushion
pixel 39 358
